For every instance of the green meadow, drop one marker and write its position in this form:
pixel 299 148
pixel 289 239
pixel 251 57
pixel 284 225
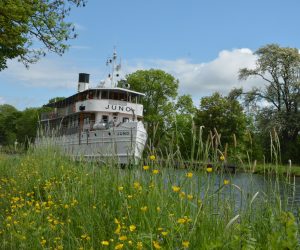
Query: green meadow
pixel 51 202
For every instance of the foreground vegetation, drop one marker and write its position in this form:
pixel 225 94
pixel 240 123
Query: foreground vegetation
pixel 50 202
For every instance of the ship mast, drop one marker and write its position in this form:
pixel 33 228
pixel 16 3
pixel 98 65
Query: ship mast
pixel 115 68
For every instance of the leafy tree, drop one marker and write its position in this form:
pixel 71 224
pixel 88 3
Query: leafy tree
pixel 279 67
pixel 24 22
pixel 26 125
pixel 183 125
pixel 8 119
pixel 56 99
pixel 222 114
pixel 160 89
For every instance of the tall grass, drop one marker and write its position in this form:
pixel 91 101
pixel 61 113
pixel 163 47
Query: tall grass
pixel 51 202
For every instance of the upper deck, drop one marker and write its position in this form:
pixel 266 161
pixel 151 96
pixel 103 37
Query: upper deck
pixel 117 100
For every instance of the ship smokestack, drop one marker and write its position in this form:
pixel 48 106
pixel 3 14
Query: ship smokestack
pixel 83 82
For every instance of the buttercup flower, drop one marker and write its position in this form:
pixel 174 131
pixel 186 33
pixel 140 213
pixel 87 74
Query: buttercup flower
pixel 104 243
pixel 190 196
pixel 185 244
pixel 119 246
pixel 139 245
pixel 152 157
pixel 222 158
pixel 155 171
pixel 156 245
pixel 132 228
pixel 226 182
pixel 189 175
pixel 209 169
pixel 146 168
pixel 176 189
pixel 123 237
pixel 144 209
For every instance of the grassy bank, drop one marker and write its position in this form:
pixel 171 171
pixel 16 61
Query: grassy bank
pixel 279 169
pixel 50 202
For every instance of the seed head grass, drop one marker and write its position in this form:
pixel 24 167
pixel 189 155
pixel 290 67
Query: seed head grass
pixel 51 202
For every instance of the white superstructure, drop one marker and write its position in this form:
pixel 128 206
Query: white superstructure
pixel 97 122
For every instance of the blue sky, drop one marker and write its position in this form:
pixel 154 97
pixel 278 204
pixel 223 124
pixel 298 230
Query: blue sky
pixel 202 43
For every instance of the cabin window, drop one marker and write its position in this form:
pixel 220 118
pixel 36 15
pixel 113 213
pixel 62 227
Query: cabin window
pixel 125 119
pixel 104 118
pixel 104 95
pixel 122 96
pixel 113 95
pixel 86 120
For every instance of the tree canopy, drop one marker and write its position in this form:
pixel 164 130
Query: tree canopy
pixel 223 114
pixel 160 90
pixel 24 23
pixel 279 67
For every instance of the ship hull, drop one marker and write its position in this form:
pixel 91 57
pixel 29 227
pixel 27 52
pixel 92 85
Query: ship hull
pixel 123 144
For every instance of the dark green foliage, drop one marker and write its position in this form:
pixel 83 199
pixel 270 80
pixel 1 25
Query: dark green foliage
pixel 160 89
pixel 26 126
pixel 279 68
pixel 8 121
pixel 56 99
pixel 24 22
pixel 224 115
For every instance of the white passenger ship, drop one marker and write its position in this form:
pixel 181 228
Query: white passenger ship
pixel 97 123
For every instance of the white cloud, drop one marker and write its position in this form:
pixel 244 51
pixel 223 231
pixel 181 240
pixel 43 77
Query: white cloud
pixel 46 73
pixel 200 79
pixel 197 79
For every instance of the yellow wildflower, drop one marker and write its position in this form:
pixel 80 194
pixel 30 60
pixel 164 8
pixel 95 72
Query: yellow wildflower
pixel 132 228
pixel 182 195
pixel 43 242
pixel 146 168
pixel 137 185
pixel 181 220
pixel 129 196
pixel 185 244
pixel 164 233
pixel 155 171
pixel 105 243
pixel 116 221
pixel 176 188
pixel 158 209
pixel 190 196
pixel 152 157
pixel 209 170
pixel 85 237
pixel 222 158
pixel 156 245
pixel 144 209
pixel 123 237
pixel 119 246
pixel 120 188
pixel 118 229
pixel 189 175
pixel 139 245
pixel 226 182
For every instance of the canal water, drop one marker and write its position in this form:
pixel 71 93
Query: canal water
pixel 243 187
